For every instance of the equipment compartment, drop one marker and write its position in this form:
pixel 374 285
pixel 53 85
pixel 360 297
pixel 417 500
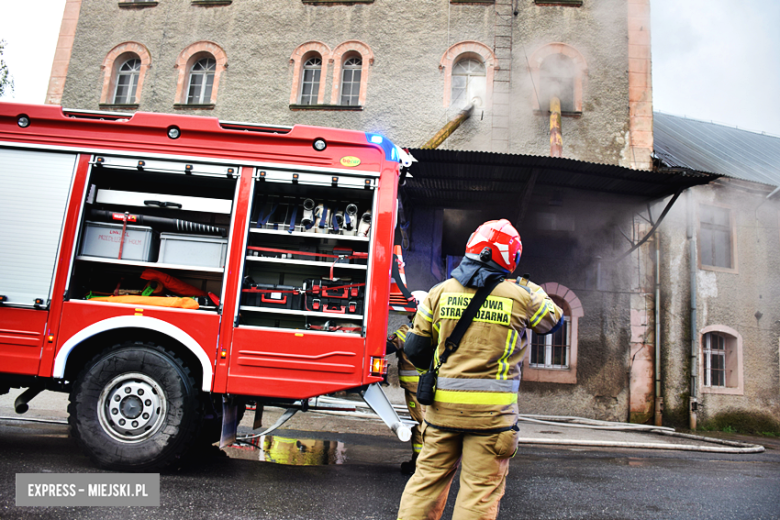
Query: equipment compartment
pixel 314 240
pixel 183 212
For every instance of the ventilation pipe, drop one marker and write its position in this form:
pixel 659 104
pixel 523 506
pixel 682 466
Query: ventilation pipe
pixel 556 139
pixel 449 128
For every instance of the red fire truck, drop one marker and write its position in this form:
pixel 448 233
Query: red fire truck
pixel 167 269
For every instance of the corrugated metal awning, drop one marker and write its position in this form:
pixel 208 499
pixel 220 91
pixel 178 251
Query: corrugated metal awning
pixel 463 179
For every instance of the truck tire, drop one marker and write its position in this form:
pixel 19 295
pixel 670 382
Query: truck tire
pixel 135 407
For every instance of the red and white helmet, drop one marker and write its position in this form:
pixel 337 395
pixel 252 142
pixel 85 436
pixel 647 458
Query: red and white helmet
pixel 497 243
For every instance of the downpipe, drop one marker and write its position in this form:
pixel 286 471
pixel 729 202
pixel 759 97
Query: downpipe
pixel 693 406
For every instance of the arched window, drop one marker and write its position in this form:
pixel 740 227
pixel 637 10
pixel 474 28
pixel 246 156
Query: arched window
pixel 127 82
pixel 310 84
pixel 350 80
pixel 201 81
pixel 199 65
pixel 721 360
pixel 468 82
pixel 469 68
pixel 557 75
pixel 553 350
pixel 552 358
pixel 124 68
pixel 558 68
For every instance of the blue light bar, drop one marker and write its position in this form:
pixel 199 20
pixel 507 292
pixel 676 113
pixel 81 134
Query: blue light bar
pixel 391 154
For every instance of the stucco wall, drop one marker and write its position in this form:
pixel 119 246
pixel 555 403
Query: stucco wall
pixel 405 88
pixel 730 299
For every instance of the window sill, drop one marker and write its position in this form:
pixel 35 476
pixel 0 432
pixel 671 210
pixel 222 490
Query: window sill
pixel 722 390
pixel 566 376
pixel 118 106
pixel 336 2
pixel 472 1
pixel 348 108
pixel 137 5
pixel 731 270
pixel 569 3
pixel 187 106
pixel 208 3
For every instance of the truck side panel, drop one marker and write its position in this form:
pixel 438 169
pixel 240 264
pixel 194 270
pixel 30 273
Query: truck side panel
pixel 34 188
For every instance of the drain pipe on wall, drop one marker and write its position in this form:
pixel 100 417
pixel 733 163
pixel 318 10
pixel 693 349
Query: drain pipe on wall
pixel 659 400
pixel 693 406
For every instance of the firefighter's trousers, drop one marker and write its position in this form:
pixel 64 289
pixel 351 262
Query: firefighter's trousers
pixel 485 463
pixel 416 411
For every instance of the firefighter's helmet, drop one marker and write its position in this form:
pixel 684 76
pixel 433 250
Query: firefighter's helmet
pixel 496 243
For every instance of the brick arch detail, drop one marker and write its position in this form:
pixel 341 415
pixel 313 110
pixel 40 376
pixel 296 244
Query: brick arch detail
pixel 472 48
pixel 296 59
pixel 186 60
pixel 539 55
pixel 568 376
pixel 339 53
pixel 110 67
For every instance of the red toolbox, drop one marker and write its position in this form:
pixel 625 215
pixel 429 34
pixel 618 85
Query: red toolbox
pixel 340 289
pixel 333 305
pixel 265 295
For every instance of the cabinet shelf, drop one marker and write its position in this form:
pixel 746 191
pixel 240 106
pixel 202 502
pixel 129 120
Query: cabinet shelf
pixel 312 263
pixel 155 265
pixel 293 312
pixel 323 236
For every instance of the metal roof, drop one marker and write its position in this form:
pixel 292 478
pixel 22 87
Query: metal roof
pixel 713 148
pixel 460 179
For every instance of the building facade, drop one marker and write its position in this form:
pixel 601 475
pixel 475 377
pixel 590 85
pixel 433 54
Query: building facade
pixel 399 69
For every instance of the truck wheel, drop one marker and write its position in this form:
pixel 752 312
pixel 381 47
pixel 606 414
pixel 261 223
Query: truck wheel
pixel 135 408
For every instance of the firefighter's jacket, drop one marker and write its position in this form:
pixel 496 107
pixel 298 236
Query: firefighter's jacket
pixel 477 385
pixel 407 373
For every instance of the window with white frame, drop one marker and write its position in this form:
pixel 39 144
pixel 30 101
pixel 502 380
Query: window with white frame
pixel 468 82
pixel 310 85
pixel 552 350
pixel 127 82
pixel 201 81
pixel 350 81
pixel 721 360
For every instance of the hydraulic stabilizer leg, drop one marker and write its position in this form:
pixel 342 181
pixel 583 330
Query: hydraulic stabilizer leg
pixel 375 397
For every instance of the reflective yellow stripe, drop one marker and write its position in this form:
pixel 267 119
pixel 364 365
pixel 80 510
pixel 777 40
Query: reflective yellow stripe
pixel 400 334
pixel 503 363
pixel 448 396
pixel 437 328
pixel 425 312
pixel 409 379
pixel 541 313
pixel 417 448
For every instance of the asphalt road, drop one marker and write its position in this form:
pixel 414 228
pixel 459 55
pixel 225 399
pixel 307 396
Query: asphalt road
pixel 356 476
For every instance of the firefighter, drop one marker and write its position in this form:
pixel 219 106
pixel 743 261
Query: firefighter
pixel 408 376
pixel 473 419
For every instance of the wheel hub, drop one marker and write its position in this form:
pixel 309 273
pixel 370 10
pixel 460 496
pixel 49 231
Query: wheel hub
pixel 131 407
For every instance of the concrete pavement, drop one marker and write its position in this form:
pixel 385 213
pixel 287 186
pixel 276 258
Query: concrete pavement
pixel 533 429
